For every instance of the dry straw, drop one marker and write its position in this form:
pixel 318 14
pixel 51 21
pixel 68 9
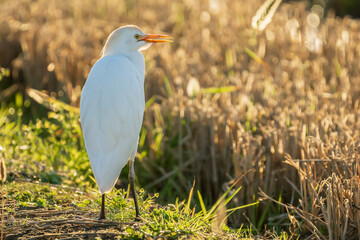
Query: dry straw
pixel 266 105
pixel 3 179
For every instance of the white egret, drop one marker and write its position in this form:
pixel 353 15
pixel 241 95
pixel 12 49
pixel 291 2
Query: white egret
pixel 112 107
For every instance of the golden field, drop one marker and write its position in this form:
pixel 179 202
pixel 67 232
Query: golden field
pixel 278 108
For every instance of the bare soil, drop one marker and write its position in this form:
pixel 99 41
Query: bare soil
pixel 48 223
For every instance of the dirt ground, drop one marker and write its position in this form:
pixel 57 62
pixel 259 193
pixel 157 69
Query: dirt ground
pixel 72 223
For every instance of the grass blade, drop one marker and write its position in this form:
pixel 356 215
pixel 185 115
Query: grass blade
pixel 257 59
pixel 203 208
pixel 242 206
pixel 190 197
pixel 217 204
pixel 150 102
pixel 49 102
pixel 214 90
pixel 232 195
pixel 264 14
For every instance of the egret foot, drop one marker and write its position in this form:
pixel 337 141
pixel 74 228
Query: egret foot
pixel 138 219
pixel 102 212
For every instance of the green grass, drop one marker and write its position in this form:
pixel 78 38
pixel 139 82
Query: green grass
pixel 175 220
pixel 48 168
pixel 49 149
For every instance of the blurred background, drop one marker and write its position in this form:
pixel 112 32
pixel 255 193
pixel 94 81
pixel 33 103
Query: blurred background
pixel 270 96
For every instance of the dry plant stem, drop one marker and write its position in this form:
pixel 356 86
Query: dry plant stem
pixel 2 209
pixel 48 213
pixel 299 212
pixel 78 221
pixel 346 219
pixel 48 236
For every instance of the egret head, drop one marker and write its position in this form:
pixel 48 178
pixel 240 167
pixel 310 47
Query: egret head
pixel 130 38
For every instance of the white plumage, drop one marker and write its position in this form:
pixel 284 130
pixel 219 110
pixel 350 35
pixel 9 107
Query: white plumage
pixel 112 105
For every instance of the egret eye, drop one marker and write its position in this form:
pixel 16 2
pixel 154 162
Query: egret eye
pixel 136 36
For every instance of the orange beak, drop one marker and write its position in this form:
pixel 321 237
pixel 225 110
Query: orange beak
pixel 154 38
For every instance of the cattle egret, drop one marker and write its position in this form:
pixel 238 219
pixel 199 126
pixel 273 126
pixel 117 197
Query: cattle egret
pixel 112 107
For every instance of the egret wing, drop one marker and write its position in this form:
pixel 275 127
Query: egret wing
pixel 111 111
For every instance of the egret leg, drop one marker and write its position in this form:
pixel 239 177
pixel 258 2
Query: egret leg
pixel 102 212
pixel 132 187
